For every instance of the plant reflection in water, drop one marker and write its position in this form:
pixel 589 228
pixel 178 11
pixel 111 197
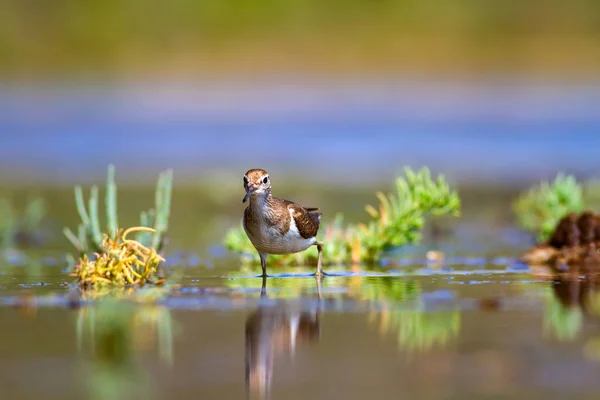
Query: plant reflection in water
pixel 416 328
pixel 574 303
pixel 117 330
pixel 275 329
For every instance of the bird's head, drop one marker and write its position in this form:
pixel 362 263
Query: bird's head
pixel 256 183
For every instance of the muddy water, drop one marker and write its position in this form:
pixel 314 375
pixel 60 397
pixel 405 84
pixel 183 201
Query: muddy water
pixel 480 325
pixel 466 331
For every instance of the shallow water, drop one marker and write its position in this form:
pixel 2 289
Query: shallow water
pixel 477 325
pixel 484 331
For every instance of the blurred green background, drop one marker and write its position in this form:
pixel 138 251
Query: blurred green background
pixel 149 38
pixel 329 96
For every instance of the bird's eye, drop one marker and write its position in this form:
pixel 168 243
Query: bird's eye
pixel 245 180
pixel 266 179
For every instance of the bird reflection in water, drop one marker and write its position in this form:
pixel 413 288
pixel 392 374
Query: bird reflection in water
pixel 275 331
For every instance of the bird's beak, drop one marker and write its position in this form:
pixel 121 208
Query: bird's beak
pixel 249 191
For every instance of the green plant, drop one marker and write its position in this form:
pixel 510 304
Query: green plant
pixel 541 207
pixel 120 262
pixel 400 217
pixel 398 220
pixel 89 235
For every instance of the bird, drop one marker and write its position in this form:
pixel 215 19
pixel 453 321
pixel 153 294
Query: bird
pixel 277 226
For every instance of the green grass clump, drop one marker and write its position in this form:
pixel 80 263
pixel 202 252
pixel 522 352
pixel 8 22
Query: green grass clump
pixel 541 207
pixel 117 260
pixel 90 236
pixel 20 227
pixel 400 217
pixel 398 220
pixel 120 262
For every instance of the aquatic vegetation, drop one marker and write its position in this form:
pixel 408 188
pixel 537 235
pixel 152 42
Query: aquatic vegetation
pixel 117 260
pixel 398 220
pixel 120 261
pixel 400 217
pixel 89 237
pixel 21 227
pixel 541 207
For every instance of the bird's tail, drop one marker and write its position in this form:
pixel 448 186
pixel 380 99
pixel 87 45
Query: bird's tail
pixel 312 210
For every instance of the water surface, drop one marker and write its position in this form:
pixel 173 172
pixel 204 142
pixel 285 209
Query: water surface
pixel 483 332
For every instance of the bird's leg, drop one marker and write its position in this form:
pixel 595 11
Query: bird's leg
pixel 263 288
pixel 319 272
pixel 319 280
pixel 263 263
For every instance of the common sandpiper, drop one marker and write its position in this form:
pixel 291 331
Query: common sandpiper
pixel 277 226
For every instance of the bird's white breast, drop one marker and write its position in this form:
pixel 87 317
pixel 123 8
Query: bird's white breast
pixel 268 239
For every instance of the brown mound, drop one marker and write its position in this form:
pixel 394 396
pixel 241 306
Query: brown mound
pixel 566 233
pixel 574 242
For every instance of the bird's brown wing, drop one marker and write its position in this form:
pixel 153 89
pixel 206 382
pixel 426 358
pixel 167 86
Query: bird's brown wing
pixel 306 221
